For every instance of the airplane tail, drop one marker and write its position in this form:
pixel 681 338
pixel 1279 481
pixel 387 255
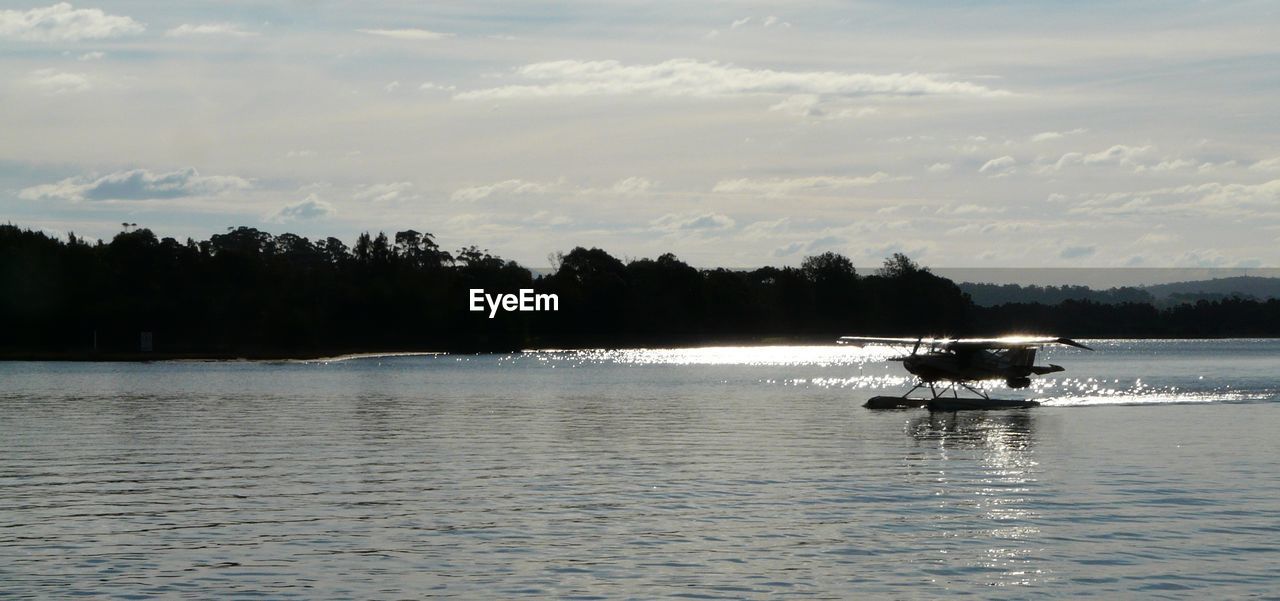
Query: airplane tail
pixel 1041 370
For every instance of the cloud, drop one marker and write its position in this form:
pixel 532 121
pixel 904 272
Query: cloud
pixel 299 154
pixel 91 56
pixel 1195 258
pixel 708 222
pixel 631 185
pixel 1266 165
pixel 967 209
pixel 62 23
pixel 783 187
pixel 509 187
pixel 209 29
pixel 1004 228
pixel 1213 258
pixel 1116 154
pixel 1213 198
pixel 998 167
pixel 547 219
pixel 692 78
pixel 789 249
pixel 812 105
pixel 1156 238
pixel 939 168
pixel 1210 166
pixel 821 231
pixel 1117 204
pixel 1171 165
pixel 390 192
pixel 55 83
pixel 407 34
pixel 1077 252
pixel 1045 136
pixel 1263 196
pixel 800 105
pixel 1119 154
pixel 765 22
pixel 306 209
pixel 429 86
pixel 826 242
pixel 137 184
pixel 768 229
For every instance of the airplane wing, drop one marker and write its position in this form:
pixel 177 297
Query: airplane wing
pixel 1008 342
pixel 1005 342
pixel 868 340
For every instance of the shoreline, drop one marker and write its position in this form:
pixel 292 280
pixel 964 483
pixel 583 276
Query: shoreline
pixel 348 354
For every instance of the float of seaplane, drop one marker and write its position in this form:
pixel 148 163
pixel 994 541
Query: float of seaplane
pixel 947 365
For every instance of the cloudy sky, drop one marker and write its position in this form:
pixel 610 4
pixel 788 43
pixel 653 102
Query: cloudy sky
pixel 732 133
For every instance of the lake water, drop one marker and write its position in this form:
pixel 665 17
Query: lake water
pixel 1152 471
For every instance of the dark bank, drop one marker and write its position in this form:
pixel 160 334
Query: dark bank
pixel 251 294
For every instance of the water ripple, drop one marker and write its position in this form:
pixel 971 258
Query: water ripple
pixel 703 474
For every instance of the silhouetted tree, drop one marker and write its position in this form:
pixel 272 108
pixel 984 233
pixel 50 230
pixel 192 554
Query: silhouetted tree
pixel 665 297
pixel 835 290
pixel 900 266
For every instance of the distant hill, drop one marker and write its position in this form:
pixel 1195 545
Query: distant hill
pixel 1245 286
pixel 1248 287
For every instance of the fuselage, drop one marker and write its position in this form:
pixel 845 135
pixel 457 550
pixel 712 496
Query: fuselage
pixel 1014 366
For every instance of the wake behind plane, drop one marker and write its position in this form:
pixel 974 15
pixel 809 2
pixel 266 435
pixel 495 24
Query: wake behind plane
pixel 949 364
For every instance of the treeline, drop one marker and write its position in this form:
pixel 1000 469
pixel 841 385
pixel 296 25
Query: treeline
pixel 251 293
pixel 990 295
pixel 1162 295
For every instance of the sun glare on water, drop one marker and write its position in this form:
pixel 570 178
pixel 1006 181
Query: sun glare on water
pixel 819 356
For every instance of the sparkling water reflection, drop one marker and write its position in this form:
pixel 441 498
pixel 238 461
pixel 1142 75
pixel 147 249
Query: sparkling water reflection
pixel 708 473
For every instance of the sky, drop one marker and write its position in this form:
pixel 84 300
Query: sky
pixel 738 134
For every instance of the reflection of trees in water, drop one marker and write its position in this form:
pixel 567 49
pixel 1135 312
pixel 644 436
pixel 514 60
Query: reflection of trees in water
pixel 982 469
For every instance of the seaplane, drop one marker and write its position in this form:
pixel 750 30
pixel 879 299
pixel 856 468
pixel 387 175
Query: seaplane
pixel 947 365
